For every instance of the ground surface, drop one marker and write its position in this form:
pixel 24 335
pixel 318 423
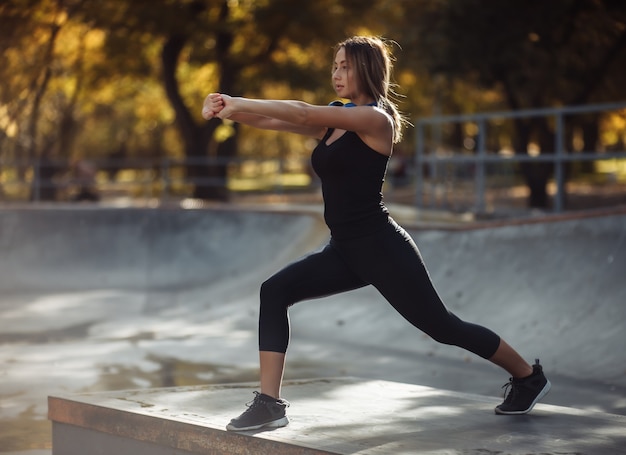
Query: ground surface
pixel 109 299
pixel 328 416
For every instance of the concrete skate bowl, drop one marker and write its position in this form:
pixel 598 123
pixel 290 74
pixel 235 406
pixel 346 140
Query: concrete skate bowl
pixel 82 249
pixel 109 299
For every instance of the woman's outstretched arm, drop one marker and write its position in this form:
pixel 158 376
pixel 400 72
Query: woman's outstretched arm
pixel 366 119
pixel 214 105
pixel 372 124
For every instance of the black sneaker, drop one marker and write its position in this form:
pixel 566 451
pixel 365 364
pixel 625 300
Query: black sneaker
pixel 263 412
pixel 524 393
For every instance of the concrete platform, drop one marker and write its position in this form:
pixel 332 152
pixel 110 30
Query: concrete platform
pixel 328 416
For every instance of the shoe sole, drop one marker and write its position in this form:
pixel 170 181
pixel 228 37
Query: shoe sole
pixel 283 421
pixel 540 395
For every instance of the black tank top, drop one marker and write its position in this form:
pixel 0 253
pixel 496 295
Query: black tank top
pixel 352 175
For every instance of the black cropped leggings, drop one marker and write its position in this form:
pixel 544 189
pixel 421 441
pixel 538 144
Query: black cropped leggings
pixel 390 261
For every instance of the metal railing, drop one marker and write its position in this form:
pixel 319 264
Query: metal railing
pixel 164 177
pixel 432 162
pixel 148 177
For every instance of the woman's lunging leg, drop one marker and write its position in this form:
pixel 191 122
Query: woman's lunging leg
pixel 317 275
pixel 393 264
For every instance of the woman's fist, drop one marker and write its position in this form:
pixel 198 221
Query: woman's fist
pixel 213 104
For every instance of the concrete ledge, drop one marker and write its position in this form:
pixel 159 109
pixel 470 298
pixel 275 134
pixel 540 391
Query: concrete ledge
pixel 328 416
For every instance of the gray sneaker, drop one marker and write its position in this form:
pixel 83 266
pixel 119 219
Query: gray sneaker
pixel 263 412
pixel 524 393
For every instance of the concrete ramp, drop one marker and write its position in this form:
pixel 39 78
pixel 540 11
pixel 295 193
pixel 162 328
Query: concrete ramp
pixel 101 299
pixel 85 249
pixel 328 417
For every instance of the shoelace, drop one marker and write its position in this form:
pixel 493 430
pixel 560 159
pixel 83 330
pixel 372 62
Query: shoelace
pixel 511 389
pixel 251 403
pixel 257 400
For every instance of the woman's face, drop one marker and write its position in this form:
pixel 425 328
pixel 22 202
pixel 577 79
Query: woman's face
pixel 343 76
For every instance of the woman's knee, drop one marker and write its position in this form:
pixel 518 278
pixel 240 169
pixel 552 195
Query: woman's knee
pixel 274 294
pixel 270 287
pixel 446 330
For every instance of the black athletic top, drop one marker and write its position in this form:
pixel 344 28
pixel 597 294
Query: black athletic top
pixel 352 175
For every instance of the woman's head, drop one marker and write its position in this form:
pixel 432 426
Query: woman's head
pixel 370 63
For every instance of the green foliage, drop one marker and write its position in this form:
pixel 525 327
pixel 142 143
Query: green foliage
pixel 93 76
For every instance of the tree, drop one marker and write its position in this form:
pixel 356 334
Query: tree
pixel 18 20
pixel 101 90
pixel 120 77
pixel 536 53
pixel 245 43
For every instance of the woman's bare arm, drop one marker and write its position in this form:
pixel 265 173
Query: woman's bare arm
pixel 357 119
pixel 214 104
pixel 372 124
pixel 267 123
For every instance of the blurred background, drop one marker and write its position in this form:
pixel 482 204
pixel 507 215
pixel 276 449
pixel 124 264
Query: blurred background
pixel 100 100
pixel 518 107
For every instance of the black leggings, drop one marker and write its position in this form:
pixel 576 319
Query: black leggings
pixel 391 262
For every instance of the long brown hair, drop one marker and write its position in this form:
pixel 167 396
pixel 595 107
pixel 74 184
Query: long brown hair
pixel 371 60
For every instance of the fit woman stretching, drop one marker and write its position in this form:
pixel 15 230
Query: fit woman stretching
pixel 366 247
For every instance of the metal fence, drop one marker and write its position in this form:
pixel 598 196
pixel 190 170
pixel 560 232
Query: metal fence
pixel 433 157
pixel 425 181
pixel 159 178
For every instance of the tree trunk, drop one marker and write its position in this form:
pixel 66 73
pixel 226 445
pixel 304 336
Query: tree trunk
pixel 228 75
pixel 41 188
pixel 195 137
pixel 591 137
pixel 536 175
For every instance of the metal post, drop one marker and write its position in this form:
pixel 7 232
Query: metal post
pixel 36 182
pixel 480 165
pixel 559 142
pixel 165 177
pixel 278 180
pixel 419 163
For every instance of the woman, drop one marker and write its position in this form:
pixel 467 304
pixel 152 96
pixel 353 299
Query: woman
pixel 366 247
